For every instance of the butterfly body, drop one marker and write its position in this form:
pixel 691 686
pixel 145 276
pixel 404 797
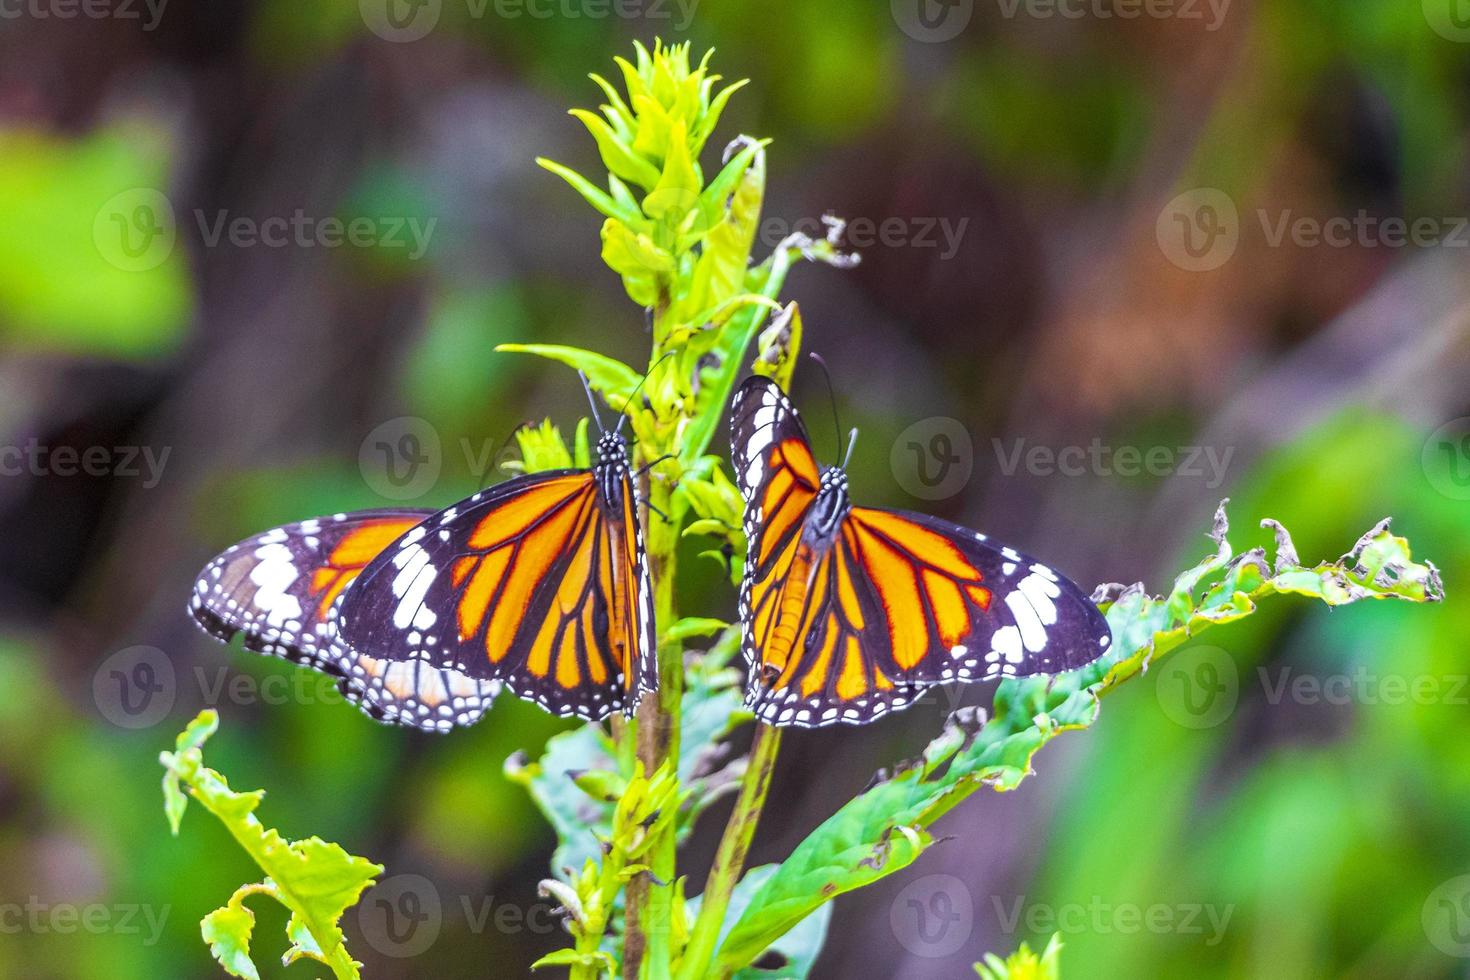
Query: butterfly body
pixel 850 612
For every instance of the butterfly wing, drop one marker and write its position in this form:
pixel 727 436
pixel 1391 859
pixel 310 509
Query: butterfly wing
pixel 539 583
pixel 778 477
pixel 281 589
pixel 903 601
pixel 278 587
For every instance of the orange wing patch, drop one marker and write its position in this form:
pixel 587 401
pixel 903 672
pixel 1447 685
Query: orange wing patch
pixel 352 554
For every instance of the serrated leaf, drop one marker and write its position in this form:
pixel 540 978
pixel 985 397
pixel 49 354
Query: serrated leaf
pixel 844 852
pixel 315 879
pixel 227 930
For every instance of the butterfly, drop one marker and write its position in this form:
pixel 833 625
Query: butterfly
pixel 851 612
pixel 280 589
pixel 539 584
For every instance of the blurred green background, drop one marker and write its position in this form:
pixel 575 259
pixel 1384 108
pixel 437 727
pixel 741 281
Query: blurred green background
pixel 244 246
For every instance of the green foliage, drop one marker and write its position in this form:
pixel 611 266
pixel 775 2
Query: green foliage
pixel 1023 964
pixel 316 880
pixel 89 257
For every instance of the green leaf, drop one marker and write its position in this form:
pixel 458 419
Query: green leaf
pixel 190 740
pixel 315 879
pixel 611 207
pixel 692 626
pixel 882 830
pixel 797 949
pixel 617 155
pixel 227 931
pixel 610 378
pixel 570 957
pixel 578 820
pixel 676 192
pixel 731 207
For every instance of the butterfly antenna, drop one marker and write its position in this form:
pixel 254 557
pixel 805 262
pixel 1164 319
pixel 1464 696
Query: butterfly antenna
pixel 623 415
pixel 587 387
pixel 832 397
pixel 490 466
pixel 851 441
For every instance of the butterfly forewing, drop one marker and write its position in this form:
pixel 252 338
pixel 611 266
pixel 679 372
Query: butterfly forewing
pixel 845 624
pixel 538 583
pixel 278 587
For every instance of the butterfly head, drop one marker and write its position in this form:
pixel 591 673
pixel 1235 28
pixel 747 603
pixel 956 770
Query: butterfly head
pixel 612 449
pixel 831 505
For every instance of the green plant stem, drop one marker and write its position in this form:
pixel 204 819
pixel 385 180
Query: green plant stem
pixel 649 903
pixel 730 858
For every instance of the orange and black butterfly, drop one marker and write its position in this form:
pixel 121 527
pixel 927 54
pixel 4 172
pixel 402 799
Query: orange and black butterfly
pixel 281 588
pixel 539 584
pixel 851 612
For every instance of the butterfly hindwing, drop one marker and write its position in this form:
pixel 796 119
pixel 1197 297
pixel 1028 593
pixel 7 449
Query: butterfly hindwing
pixel 851 612
pixel 539 583
pixel 280 589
